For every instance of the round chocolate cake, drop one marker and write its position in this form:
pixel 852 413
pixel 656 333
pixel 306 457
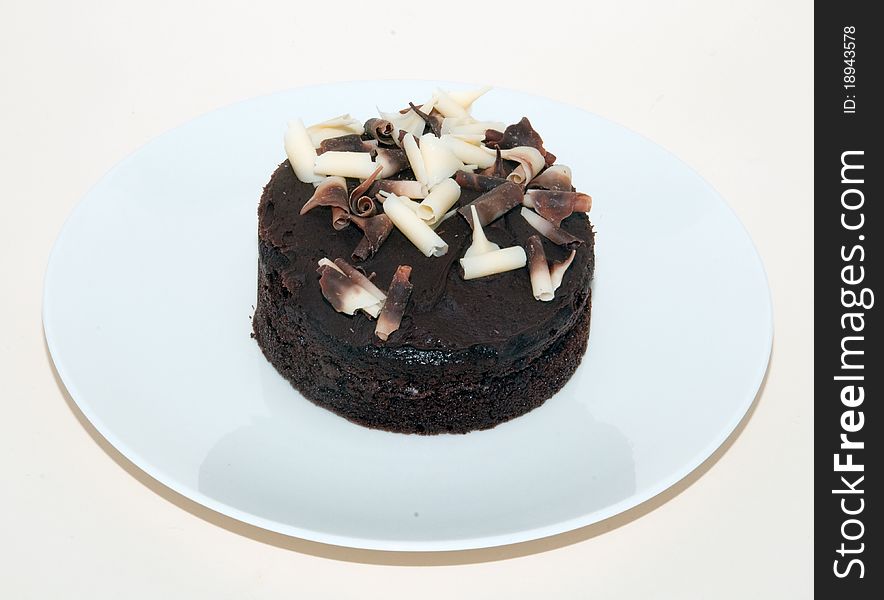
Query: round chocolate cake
pixel 439 352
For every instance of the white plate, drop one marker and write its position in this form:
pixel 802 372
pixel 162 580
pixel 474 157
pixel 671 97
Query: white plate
pixel 150 289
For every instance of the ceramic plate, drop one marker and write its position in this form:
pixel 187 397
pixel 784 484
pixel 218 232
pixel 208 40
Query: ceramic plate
pixel 151 286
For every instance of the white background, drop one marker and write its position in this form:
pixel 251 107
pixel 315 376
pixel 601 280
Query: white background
pixel 725 86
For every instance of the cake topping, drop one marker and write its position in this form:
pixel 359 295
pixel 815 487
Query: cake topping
pixel 557 271
pixel 530 163
pixel 347 143
pixel 475 181
pixel 381 130
pixel 433 120
pixel 415 158
pixel 557 205
pixel 375 229
pixel 520 134
pixel 446 150
pixel 448 106
pixel 440 162
pixel 393 161
pixel 467 152
pixel 441 198
pixel 494 204
pixel 469 126
pixel 466 97
pixel 394 307
pixel 359 278
pixel 336 127
pixel 556 177
pixel 400 187
pixel 344 164
pixel 538 270
pixel 554 234
pixel 413 227
pixel 301 152
pixel 344 294
pixel 332 191
pixel 496 261
pixel 360 203
pixel 480 244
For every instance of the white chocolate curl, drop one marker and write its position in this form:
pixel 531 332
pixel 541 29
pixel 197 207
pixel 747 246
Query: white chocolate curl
pixel 301 152
pixel 480 244
pixel 345 164
pixel 415 158
pixel 557 271
pixel 469 126
pixel 538 270
pixel 466 97
pixel 413 227
pixel 448 106
pixel 530 161
pixel 442 197
pixel 497 261
pixel 336 127
pixel 439 161
pixel 468 153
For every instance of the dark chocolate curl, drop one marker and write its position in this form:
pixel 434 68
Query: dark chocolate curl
pixel 557 205
pixel 345 295
pixel 520 134
pixel 556 177
pixel 359 278
pixel 394 307
pixel 347 143
pixel 556 235
pixel 361 205
pixel 392 161
pixel 501 168
pixel 475 181
pixel 331 192
pixel 492 205
pixel 381 130
pixel 340 218
pixel 435 125
pixel 375 229
pixel 492 138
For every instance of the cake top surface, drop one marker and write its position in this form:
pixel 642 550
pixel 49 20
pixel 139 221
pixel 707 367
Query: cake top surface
pixel 487 306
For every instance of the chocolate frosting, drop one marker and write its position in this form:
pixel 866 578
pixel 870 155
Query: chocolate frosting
pixel 462 324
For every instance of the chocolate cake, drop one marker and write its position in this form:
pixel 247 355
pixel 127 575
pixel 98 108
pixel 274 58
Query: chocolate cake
pixel 406 319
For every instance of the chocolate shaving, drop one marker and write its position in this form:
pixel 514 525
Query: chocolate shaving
pixel 381 130
pixel 331 192
pixel 360 204
pixel 478 182
pixel 556 177
pixel 346 143
pixel 435 125
pixel 340 218
pixel 492 138
pixel 519 134
pixel 500 169
pixel 393 161
pixel 375 230
pixel 557 205
pixel 344 294
pixel 394 307
pixel 538 269
pixel 493 204
pixel 400 187
pixel 556 235
pixel 359 278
